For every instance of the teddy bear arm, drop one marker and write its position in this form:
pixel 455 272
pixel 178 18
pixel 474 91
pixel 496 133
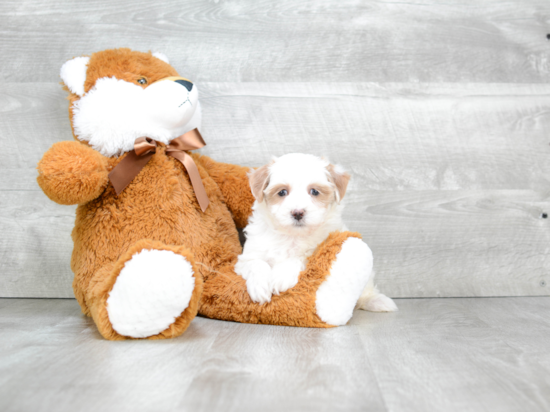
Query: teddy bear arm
pixel 325 295
pixel 234 185
pixel 71 173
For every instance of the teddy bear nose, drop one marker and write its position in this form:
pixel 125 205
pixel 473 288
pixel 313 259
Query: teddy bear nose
pixel 187 84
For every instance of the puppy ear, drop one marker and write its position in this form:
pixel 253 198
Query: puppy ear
pixel 340 178
pixel 259 180
pixel 73 74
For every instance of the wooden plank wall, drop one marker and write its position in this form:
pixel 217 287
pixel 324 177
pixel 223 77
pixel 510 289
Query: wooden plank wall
pixel 441 111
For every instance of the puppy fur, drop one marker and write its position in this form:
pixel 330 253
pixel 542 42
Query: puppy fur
pixel 298 204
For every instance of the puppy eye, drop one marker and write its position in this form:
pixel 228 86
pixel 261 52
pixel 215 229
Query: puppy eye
pixel 283 193
pixel 314 192
pixel 142 80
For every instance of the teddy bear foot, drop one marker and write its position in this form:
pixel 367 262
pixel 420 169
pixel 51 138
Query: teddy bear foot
pixel 349 274
pixel 150 294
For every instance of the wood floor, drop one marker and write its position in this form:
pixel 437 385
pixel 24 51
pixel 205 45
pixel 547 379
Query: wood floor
pixel 454 354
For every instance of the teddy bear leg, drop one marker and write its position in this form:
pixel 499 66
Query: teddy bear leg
pixel 152 291
pixel 325 295
pixel 349 274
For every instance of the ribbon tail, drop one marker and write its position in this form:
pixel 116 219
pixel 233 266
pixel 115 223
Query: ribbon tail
pixel 195 177
pixel 127 169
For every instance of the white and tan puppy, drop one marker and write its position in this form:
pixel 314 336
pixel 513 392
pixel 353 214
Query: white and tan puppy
pixel 298 204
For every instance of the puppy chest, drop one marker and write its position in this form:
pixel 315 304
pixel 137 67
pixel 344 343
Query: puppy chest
pixel 291 250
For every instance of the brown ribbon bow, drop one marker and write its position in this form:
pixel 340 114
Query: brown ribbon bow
pixel 144 149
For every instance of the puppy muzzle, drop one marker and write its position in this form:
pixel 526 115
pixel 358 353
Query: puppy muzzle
pixel 298 215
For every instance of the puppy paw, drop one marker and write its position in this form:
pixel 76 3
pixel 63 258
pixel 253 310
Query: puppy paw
pixel 257 274
pixel 285 275
pixel 258 289
pixel 377 303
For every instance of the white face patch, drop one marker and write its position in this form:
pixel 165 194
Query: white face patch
pixel 114 113
pixel 300 193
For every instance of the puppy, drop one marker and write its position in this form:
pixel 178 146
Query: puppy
pixel 298 204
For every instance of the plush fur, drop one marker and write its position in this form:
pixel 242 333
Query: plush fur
pixel 158 211
pixel 299 202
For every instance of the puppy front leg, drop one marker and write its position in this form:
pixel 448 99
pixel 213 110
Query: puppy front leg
pixel 285 275
pixel 257 274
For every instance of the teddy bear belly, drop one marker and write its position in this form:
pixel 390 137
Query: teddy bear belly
pixel 112 228
pixel 106 228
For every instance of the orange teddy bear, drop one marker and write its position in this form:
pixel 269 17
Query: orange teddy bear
pixel 155 237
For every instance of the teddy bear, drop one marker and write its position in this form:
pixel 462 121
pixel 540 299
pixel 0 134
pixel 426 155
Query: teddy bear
pixel 156 229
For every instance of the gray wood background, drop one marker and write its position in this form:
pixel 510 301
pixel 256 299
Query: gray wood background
pixel 441 111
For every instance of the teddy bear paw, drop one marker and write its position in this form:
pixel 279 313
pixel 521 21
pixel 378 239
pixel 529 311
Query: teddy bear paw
pixel 151 291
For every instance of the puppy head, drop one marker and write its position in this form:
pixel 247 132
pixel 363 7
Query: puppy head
pixel 299 191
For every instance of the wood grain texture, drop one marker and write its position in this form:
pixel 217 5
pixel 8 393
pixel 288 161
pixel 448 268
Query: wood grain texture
pixel 36 334
pixel 456 243
pixel 50 354
pixel 390 136
pixel 434 354
pixel 266 368
pixel 449 181
pixel 461 354
pixel 35 246
pixel 33 117
pixel 325 41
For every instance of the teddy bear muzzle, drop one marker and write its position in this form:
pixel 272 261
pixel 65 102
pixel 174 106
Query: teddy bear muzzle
pixel 188 84
pixel 171 101
pixel 185 83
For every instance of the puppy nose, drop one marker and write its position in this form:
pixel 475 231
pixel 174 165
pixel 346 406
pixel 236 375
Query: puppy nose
pixel 298 214
pixel 187 84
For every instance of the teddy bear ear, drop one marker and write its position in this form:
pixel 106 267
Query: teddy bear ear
pixel 73 74
pixel 161 56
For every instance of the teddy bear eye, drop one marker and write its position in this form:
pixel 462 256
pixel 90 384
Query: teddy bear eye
pixel 142 80
pixel 283 193
pixel 314 192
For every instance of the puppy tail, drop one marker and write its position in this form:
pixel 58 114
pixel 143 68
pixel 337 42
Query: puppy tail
pixel 372 300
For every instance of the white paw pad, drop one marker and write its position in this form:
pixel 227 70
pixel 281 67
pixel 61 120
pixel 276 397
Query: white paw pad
pixel 350 272
pixel 151 291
